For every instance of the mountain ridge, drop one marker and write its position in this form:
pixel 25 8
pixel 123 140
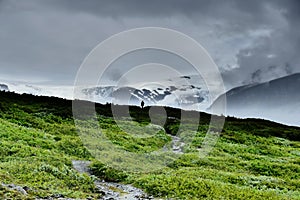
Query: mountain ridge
pixel 278 99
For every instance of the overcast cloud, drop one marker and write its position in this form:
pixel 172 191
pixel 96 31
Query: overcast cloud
pixel 46 41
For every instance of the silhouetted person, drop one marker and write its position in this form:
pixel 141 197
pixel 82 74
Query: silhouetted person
pixel 142 104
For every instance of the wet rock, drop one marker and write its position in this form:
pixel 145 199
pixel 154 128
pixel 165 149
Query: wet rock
pixel 177 145
pixel 81 166
pixel 15 187
pixel 57 196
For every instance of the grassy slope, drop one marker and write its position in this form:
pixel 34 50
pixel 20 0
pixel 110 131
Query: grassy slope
pixel 252 159
pixel 36 149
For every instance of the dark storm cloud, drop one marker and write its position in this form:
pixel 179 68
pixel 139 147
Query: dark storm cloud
pixel 47 40
pixel 239 12
pixel 157 7
pixel 274 55
pixel 123 8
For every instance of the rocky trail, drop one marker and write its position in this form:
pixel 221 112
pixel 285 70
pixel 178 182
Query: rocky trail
pixel 110 190
pixel 118 191
pixel 177 144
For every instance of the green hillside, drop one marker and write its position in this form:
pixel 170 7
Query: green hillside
pixel 253 158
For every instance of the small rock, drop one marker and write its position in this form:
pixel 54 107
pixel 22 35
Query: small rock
pixel 26 188
pixel 15 187
pixel 57 196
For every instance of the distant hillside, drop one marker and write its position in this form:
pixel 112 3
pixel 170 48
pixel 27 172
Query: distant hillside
pixel 278 100
pixel 63 108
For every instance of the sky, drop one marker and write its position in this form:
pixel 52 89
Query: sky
pixel 45 42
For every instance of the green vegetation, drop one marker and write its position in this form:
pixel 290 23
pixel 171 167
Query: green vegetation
pixel 36 149
pixel 253 158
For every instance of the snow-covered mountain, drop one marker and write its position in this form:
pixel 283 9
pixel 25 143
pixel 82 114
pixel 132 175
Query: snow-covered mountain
pixel 187 92
pixel 178 96
pixel 40 90
pixel 277 100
